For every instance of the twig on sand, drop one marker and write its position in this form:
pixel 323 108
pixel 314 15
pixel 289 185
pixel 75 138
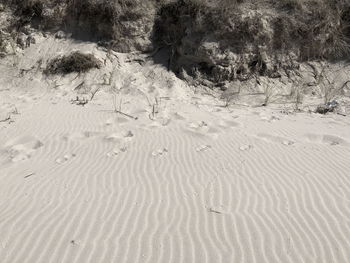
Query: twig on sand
pixel 29 175
pixel 8 119
pixel 93 93
pixel 211 210
pixel 341 114
pixel 79 86
pixel 125 114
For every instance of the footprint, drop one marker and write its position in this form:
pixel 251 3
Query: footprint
pixel 246 147
pixel 326 139
pixel 233 124
pixel 178 116
pixel 334 140
pixel 116 120
pixel 200 125
pixel 203 148
pixel 120 140
pixel 160 152
pixel 275 139
pixel 268 118
pixel 165 121
pixel 158 123
pixel 22 149
pixel 80 135
pixel 116 151
pixel 287 142
pixel 201 128
pixel 120 136
pixel 229 124
pixel 65 158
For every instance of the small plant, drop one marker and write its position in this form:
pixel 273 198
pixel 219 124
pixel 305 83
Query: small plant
pixel 155 108
pixel 118 110
pixel 297 95
pixel 269 92
pixel 74 62
pixel 229 98
pixel 80 101
pixel 329 89
pixel 329 107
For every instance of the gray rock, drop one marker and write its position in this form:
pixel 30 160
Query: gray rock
pixel 60 35
pixel 328 107
pixel 21 40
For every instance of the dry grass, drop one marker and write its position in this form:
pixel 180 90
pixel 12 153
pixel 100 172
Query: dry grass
pixel 313 28
pixel 305 29
pixel 75 62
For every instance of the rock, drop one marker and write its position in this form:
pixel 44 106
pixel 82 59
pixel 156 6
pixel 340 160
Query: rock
pixel 30 40
pixel 6 47
pixel 328 107
pixel 27 30
pixel 60 35
pixel 275 75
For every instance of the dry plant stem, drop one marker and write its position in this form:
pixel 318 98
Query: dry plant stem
pixel 328 88
pixel 341 114
pixel 120 108
pixel 79 86
pixel 127 115
pixel 29 175
pixel 93 93
pixel 6 119
pixel 345 85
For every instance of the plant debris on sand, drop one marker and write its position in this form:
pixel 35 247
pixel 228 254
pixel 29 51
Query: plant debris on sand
pixel 74 62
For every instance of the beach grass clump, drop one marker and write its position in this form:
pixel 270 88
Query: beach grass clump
pixel 74 62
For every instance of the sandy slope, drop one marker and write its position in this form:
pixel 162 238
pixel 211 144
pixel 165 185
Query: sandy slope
pixel 198 183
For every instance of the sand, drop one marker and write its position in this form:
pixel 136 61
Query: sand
pixel 187 181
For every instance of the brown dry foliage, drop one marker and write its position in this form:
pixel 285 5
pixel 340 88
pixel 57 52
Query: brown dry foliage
pixel 74 62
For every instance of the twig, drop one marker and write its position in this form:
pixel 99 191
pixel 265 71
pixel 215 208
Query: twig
pixel 93 93
pixel 345 84
pixel 214 211
pixel 79 86
pixel 342 114
pixel 29 175
pixel 125 114
pixel 7 119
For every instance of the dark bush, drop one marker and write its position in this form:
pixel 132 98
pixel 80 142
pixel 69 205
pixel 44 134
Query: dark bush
pixel 75 62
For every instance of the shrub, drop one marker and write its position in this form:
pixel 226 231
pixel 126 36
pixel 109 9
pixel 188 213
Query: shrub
pixel 75 62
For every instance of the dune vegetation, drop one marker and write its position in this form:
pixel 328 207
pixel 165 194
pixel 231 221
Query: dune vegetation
pixel 217 40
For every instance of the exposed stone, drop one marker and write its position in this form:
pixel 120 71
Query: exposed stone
pixel 60 35
pixel 21 40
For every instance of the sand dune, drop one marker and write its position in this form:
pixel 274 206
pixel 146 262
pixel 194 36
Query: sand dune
pixel 198 183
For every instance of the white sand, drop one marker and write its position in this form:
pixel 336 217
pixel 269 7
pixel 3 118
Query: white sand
pixel 198 183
